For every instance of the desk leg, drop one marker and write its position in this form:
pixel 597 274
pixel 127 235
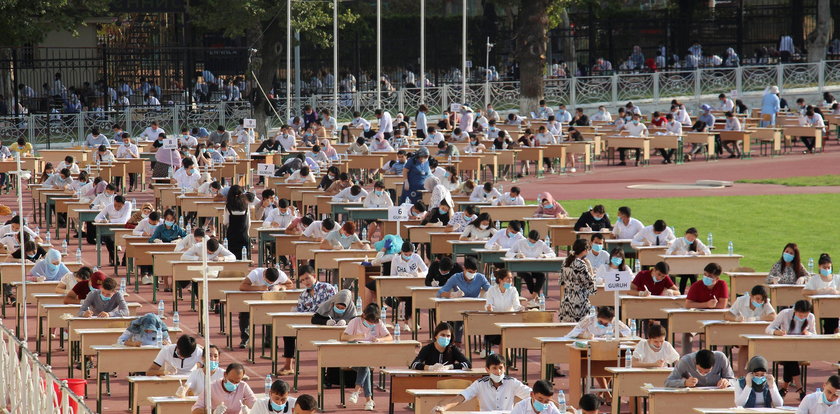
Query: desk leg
pixel 40 335
pixel 297 369
pixel 98 248
pixel 252 350
pixel 154 288
pixel 78 230
pixel 273 354
pixel 98 391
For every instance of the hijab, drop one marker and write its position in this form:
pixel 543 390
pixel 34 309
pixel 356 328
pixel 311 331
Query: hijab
pixel 54 272
pixel 147 322
pixel 169 157
pixel 547 196
pixel 757 363
pixel 344 297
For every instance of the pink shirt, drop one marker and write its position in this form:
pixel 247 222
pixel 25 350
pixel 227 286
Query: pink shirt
pixel 232 400
pixel 357 327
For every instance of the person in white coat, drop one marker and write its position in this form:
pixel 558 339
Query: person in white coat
pixel 532 247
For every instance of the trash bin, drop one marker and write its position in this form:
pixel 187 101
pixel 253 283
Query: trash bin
pixel 76 385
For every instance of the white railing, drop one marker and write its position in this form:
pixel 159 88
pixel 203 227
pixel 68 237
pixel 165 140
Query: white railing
pixel 589 91
pixel 29 386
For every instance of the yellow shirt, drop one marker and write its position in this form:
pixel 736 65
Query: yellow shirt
pixel 23 150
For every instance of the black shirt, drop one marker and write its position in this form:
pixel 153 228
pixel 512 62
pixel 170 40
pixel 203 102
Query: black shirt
pixel 269 145
pixel 435 274
pixel 38 254
pixel 435 216
pixel 429 355
pixel 587 220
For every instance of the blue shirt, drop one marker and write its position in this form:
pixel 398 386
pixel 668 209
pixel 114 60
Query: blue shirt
pixel 770 104
pixel 167 235
pixel 471 289
pixel 417 172
pixel 709 119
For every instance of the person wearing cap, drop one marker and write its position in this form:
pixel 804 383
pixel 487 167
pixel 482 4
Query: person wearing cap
pixel 83 287
pixel 758 388
pixel 770 106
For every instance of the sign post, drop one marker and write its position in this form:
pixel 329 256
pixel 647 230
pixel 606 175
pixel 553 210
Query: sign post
pixel 265 170
pixel 170 143
pixel 249 124
pixel 616 280
pixel 398 214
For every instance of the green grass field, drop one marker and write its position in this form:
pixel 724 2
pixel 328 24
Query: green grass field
pixel 816 181
pixel 759 226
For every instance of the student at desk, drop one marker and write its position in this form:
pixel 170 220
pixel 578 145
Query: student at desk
pixel 703 368
pixel 758 388
pixel 579 282
pixel 654 282
pixel 532 247
pixel 31 250
pixel 438 216
pixel 319 229
pixel 689 245
pixel 315 293
pixel 485 193
pixel 366 327
pixel 107 303
pixel 478 229
pixel 710 292
pixel 540 400
pixel 788 270
pixel 441 269
pixel 277 401
pixel 548 207
pixel 495 392
pixel 81 289
pixel 49 269
pixel 753 307
pixel 658 234
pixel 189 242
pixel 343 238
pixel 180 358
pixel 231 391
pixel 116 213
pixel 379 198
pixel 61 181
pixel 502 296
pixel 143 331
pixel 281 216
pixel 512 198
pixel 470 283
pixel 460 219
pixel 353 194
pixel 146 225
pixel 441 354
pixel 215 252
pixel 261 279
pixel 822 402
pixel 505 239
pixel 655 351
pixel 69 280
pixel 597 256
pixel 595 220
pixel 195 382
pixel 600 325
pixel 824 283
pixel 793 321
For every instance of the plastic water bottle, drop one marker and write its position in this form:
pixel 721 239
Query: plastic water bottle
pixel 628 359
pixel 181 222
pixel 64 247
pixel 384 313
pixel 561 401
pixel 37 230
pixel 811 265
pixel 498 225
pixel 268 383
pixel 122 287
pixel 159 339
pixel 709 240
pixel 78 254
pixel 637 266
pixel 134 202
pixel 633 329
pixel 225 243
pixel 48 238
pixel 189 229
pixel 397 332
pixel 593 311
pixel 244 252
pixel 176 320
pixel 731 248
pixel 358 303
pixel 161 308
pixel 541 301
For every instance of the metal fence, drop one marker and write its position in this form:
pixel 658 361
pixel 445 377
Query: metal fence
pixel 642 88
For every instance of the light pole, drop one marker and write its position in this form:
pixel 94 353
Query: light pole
pixel 378 54
pixel 422 51
pixel 464 58
pixel 288 62
pixel 22 175
pixel 335 59
pixel 487 74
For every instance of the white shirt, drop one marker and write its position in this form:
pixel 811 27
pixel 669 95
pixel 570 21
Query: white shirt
pixel 420 120
pixel 195 382
pixel 646 237
pixel 673 128
pixel 508 200
pixel 184 180
pixel 184 366
pixel 345 195
pixel 377 201
pixel 629 230
pixel 545 138
pixel 386 124
pixel 287 141
pixel 525 407
pixel 680 247
pixel 128 151
pixel 478 194
pixel 144 228
pixel 433 139
pixel 815 282
pixel 503 302
pixel 261 406
pixel 277 216
pixel 726 105
pixel 295 177
pixel 647 355
pixel 74 168
pixel 524 246
pixel 591 326
pixel 601 116
pixel 491 398
pixel 601 259
pixel 7 229
pixel 220 255
pixel 112 215
pixel 315 230
pixel 257 278
pixel 782 323
pixel 502 239
pixel 187 140
pixel 103 199
pixel 361 122
pixel 732 124
pixel 413 266
pixel 151 134
pixel 475 233
pixel 636 130
pixel 741 307
pixel 813 404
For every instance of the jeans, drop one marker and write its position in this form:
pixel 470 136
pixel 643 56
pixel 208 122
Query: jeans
pixel 363 380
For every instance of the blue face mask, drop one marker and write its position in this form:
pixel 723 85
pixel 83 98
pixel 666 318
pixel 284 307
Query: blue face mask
pixel 607 326
pixel 229 386
pixel 105 298
pixel 787 257
pixel 377 192
pixel 688 242
pixel 214 365
pixel 367 324
pixel 825 272
pixel 708 281
pixel 826 401
pixel 756 304
pixel 506 285
pixel 339 311
pixel 92 288
pixel 278 407
pixel 406 257
pixel 598 218
pixel 760 380
pixel 52 267
pixel 616 261
pixel 444 341
pixel 798 319
pixel 548 206
pixel 169 223
pixel 597 248
pixel 539 407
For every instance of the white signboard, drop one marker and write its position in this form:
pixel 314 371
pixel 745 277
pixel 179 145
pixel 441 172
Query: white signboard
pixel 617 280
pixel 469 64
pixel 170 143
pixel 249 123
pixel 456 107
pixel 265 170
pixel 398 213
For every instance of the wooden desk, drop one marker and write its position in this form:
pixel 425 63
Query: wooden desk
pixel 141 388
pixel 785 295
pixel 307 335
pixel 806 131
pixel 639 143
pixel 825 306
pixel 523 335
pixel 725 333
pixel 740 283
pixel 681 320
pixel 395 286
pixel 425 400
pixel 404 379
pixel 280 327
pixel 172 405
pixel 578 357
pixel 649 255
pixel 508 213
pixel 706 139
pixel 736 136
pixel 736 410
pixel 447 309
pixel 663 400
pixel 780 348
pixel 120 359
pixel 627 382
pixel 693 265
pixel 259 316
pixel 649 307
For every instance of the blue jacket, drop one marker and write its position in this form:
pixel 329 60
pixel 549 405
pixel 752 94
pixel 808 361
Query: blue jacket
pixel 168 235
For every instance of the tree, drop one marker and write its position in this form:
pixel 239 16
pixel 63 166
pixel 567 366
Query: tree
pixel 263 23
pixel 817 40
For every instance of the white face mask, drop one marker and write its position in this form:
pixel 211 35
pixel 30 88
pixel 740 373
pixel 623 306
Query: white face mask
pixel 469 275
pixel 496 378
pixel 484 226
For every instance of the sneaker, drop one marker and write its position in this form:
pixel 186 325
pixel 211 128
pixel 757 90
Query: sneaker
pixel 533 303
pixel 354 397
pixel 406 328
pixel 369 405
pixel 146 280
pixel 485 353
pixel 574 170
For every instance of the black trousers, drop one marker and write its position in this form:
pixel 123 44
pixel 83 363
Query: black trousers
pixel 809 142
pixel 533 280
pixel 684 281
pixel 245 329
pixel 829 325
pixel 621 152
pixel 666 154
pixel 791 370
pixel 407 300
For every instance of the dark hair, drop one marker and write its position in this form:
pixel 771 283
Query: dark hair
pixel 420 206
pixel 824 259
pixel 704 358
pixel 213 346
pixel 328 223
pixel 407 247
pixel 470 263
pixel 659 225
pixel 271 274
pixel 515 226
pixel 578 247
pixel 596 236
pixel 443 326
pixel 619 252
pixel 212 245
pixel 155 216
pixel 500 274
pixel 599 208
pixel 656 331
pixel 534 235
pixel 186 346
pixel 481 217
pixel 834 380
pixel 796 262
pixel 445 264
pixel 801 305
pixel 198 232
pixel 280 387
pixel 543 387
pixel 494 359
pixel 307 269
pixel 759 290
pixel 713 268
pixel 306 402
pixel 235 366
pixel 235 200
pixel 83 273
pixel 605 312
pixel 589 402
pixel 662 267
pixel 371 313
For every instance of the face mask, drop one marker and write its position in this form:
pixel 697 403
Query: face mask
pixel 229 386
pixel 126 143
pixel 616 261
pixel 826 401
pixel 635 122
pixel 92 288
pixel 825 272
pixel 443 341
pixel 442 211
pixel 169 223
pixel 194 171
pixel 598 218
pixel 787 257
pixel 213 365
pixel 406 258
pixel 332 177
pixel 509 234
pixel 496 378
pixel 539 407
pixel 708 281
pixel 484 226
pixel 607 326
pixel 760 380
pixel 377 192
pixel 689 242
pixel 756 304
pixel 798 319
pixel 52 267
pixel 596 247
pixel 105 298
pixel 339 311
pixel 144 215
pixel 548 206
pixel 506 285
pixel 277 407
pixel 367 324
pixel 469 275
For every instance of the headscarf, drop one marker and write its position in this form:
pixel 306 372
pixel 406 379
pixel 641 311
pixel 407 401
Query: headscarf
pixel 54 272
pixel 773 89
pixel 99 188
pixel 169 157
pixel 344 297
pixel 392 244
pixel 547 196
pixel 757 363
pixel 147 322
pixel 138 215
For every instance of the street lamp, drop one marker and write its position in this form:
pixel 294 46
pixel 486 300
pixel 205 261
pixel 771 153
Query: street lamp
pixel 487 74
pixel 21 176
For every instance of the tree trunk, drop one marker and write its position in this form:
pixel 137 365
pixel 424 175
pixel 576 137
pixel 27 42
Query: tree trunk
pixel 818 39
pixel 273 42
pixel 530 52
